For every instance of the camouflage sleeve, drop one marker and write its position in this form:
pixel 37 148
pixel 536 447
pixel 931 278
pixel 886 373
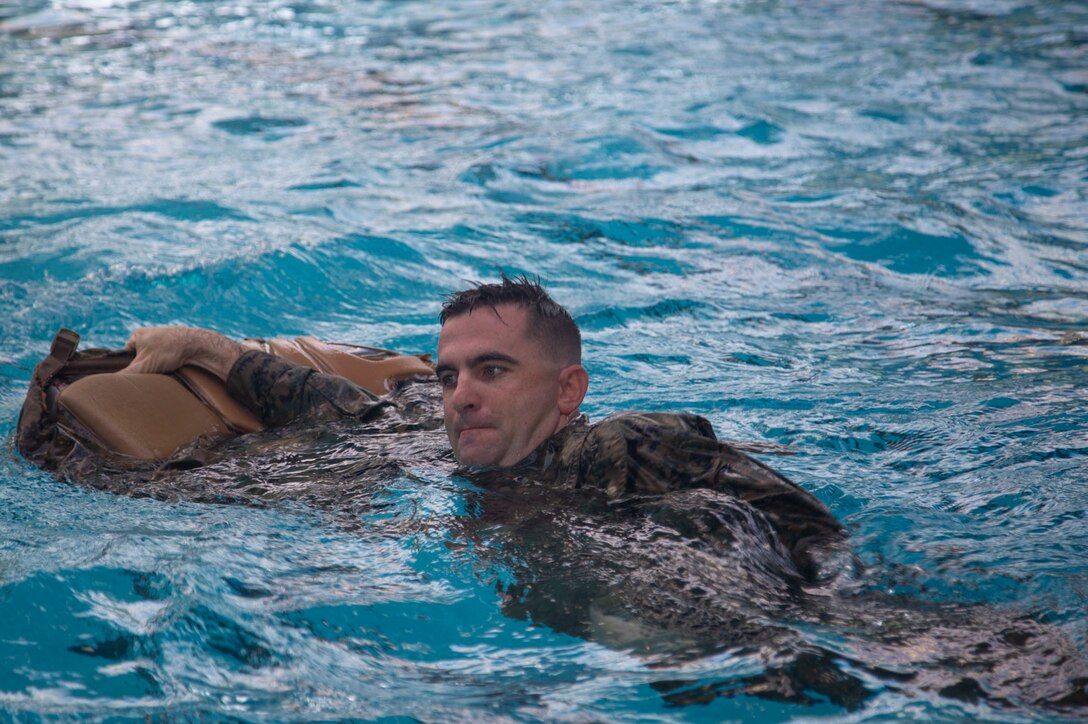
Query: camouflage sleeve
pixel 638 453
pixel 279 392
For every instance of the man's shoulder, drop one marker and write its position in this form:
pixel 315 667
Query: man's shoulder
pixel 632 452
pixel 649 425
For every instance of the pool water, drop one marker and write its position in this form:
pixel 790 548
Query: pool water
pixel 854 230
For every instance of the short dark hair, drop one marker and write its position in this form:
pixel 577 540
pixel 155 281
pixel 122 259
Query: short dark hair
pixel 549 322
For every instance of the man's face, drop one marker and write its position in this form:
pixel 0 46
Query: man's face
pixel 500 388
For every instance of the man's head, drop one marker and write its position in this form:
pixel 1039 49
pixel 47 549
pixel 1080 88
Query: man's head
pixel 509 361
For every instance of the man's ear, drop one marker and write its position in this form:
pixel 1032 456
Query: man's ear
pixel 573 383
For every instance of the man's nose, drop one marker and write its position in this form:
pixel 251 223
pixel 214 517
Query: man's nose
pixel 464 395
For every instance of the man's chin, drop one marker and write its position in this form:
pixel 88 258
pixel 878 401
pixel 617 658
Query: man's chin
pixel 474 450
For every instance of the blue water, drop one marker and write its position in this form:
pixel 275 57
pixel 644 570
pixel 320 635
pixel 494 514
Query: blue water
pixel 857 230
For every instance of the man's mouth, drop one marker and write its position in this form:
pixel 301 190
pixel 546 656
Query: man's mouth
pixel 474 434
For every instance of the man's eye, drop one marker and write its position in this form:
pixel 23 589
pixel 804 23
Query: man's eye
pixel 448 380
pixel 492 371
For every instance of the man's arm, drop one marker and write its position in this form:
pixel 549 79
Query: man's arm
pixel 639 453
pixel 165 349
pixel 279 391
pixel 274 389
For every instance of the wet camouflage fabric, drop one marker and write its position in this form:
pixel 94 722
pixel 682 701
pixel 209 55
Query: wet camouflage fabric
pixel 625 455
pixel 280 392
pixel 649 453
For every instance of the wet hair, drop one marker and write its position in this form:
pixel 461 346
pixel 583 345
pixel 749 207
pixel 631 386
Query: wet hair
pixel 549 322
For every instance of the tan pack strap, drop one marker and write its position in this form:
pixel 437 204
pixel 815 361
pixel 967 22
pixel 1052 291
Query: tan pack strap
pixel 290 350
pixel 374 370
pixel 63 347
pixel 213 393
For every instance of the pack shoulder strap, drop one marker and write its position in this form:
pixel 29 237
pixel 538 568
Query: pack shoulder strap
pixel 63 347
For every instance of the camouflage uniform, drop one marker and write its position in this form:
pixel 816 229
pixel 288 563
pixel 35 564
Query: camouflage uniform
pixel 626 455
pixel 279 392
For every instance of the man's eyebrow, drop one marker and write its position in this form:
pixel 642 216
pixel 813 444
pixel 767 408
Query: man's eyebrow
pixel 477 361
pixel 491 357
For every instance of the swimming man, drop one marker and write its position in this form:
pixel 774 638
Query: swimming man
pixel 509 367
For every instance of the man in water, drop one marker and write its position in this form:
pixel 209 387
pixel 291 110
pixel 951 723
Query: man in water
pixel 509 367
pixel 643 531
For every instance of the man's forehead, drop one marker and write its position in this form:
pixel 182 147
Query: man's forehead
pixel 509 315
pixel 483 324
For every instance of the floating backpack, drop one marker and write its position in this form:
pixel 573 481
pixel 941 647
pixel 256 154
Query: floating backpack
pixel 76 403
